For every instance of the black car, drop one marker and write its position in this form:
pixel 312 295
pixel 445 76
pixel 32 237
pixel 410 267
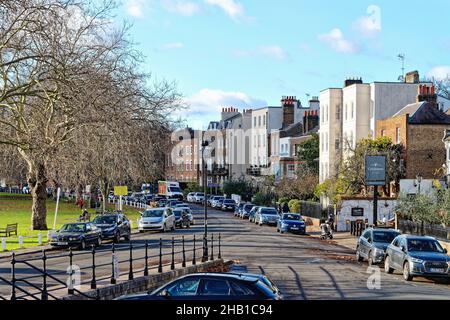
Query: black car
pixel 228 205
pixel 113 226
pixel 77 235
pixel 212 286
pixel 373 243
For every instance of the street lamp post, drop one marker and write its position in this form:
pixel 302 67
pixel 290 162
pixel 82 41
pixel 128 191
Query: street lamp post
pixel 419 182
pixel 205 191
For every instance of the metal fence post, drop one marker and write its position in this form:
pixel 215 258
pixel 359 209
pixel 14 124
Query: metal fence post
pixel 44 295
pixel 70 289
pixel 220 252
pixel 146 259
pixel 93 280
pixel 194 262
pixel 172 265
pixel 212 247
pixel 184 256
pixel 13 277
pixel 130 273
pixel 160 267
pixel 113 275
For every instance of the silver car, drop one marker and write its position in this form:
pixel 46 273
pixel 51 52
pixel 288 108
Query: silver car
pixel 161 219
pixel 267 215
pixel 373 243
pixel 417 256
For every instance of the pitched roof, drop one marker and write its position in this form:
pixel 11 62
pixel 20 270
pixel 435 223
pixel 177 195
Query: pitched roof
pixel 424 113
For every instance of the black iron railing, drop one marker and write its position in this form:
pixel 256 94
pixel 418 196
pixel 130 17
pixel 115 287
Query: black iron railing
pixel 120 263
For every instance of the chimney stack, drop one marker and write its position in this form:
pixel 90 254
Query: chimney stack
pixel 427 93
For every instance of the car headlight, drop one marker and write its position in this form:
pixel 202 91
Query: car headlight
pixel 415 260
pixel 378 251
pixel 73 238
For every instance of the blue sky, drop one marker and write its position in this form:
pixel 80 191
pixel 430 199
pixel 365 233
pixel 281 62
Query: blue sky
pixel 249 53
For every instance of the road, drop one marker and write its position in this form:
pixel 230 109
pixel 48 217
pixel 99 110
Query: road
pixel 303 267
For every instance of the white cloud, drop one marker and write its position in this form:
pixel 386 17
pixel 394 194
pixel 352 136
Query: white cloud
pixel 439 73
pixel 173 46
pixel 335 40
pixel 205 105
pixel 183 7
pixel 135 8
pixel 275 52
pixel 369 26
pixel 231 7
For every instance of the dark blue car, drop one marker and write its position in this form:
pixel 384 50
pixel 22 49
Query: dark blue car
pixel 291 222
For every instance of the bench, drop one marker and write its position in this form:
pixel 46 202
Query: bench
pixel 10 228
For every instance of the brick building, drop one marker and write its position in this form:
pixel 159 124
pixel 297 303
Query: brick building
pixel 419 127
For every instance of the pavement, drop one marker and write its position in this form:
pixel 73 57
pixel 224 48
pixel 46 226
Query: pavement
pixel 303 267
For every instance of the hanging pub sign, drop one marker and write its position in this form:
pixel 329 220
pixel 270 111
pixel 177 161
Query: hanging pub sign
pixel 375 170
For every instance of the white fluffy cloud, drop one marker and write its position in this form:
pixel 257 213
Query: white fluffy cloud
pixel 135 8
pixel 369 26
pixel 183 7
pixel 275 52
pixel 335 40
pixel 439 73
pixel 231 7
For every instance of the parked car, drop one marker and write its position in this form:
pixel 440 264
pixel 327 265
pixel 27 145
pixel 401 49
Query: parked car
pixel 291 222
pixel 215 199
pixel 266 215
pixel 417 256
pixel 373 243
pixel 238 209
pixel 185 207
pixel 211 286
pixel 245 212
pixel 161 219
pixel 263 278
pixel 252 214
pixel 199 197
pixel 190 197
pixel 113 226
pixel 77 235
pixel 218 203
pixel 181 218
pixel 228 205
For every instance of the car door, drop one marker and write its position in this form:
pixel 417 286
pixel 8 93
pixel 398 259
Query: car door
pixel 126 225
pixel 89 233
pixel 397 254
pixel 170 218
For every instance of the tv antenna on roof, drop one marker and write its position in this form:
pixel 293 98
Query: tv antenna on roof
pixel 402 58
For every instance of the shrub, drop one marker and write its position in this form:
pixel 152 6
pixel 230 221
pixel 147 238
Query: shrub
pixel 294 206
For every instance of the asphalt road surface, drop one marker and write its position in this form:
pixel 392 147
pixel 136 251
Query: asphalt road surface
pixel 303 267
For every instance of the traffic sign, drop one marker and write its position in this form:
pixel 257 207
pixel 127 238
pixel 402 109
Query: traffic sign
pixel 120 190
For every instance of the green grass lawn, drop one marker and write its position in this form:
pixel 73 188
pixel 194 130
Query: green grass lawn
pixel 16 208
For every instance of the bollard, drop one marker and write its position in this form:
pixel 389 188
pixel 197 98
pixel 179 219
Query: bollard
pixel 13 277
pixel 184 256
pixel 93 280
pixel 44 295
pixel 113 272
pixel 40 239
pixel 220 253
pixel 3 244
pixel 146 259
pixel 20 241
pixel 172 265
pixel 71 290
pixel 130 273
pixel 160 268
pixel 193 259
pixel 212 247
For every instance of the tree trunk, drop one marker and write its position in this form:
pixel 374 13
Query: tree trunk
pixel 38 185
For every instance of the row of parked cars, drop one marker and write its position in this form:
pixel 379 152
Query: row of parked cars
pixel 284 222
pixel 412 255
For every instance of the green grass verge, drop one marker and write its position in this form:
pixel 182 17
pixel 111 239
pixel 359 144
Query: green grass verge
pixel 16 208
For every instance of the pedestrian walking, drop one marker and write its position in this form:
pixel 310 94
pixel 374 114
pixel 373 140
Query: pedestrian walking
pixel 285 208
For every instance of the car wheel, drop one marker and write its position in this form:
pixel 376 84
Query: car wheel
pixel 99 241
pixel 387 265
pixel 358 256
pixel 163 228
pixel 127 237
pixel 406 273
pixel 117 238
pixel 369 259
pixel 173 227
pixel 83 245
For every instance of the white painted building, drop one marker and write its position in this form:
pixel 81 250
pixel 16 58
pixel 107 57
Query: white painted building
pixel 264 120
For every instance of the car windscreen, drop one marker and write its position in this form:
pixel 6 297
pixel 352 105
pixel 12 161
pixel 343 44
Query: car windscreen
pixel 293 217
pixel 269 211
pixel 248 207
pixel 174 189
pixel 105 220
pixel 424 245
pixel 153 214
pixel 229 202
pixel 200 194
pixel 177 213
pixel 77 227
pixel 384 237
